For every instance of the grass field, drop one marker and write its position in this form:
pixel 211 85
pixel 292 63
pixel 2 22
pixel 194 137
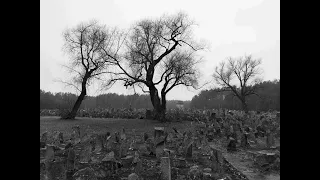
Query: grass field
pixel 103 125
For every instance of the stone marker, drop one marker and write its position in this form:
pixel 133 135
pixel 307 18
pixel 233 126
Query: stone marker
pixel 85 174
pixel 85 138
pixel 145 136
pixel 55 170
pixel 165 168
pixel 232 145
pixel 138 166
pixel 61 137
pixel 264 158
pixel 179 162
pixel 44 137
pixel 217 160
pixel 55 138
pixel 123 134
pixel 189 150
pixel 71 159
pixel 123 150
pixel 270 139
pixel 98 145
pixel 206 176
pixel 76 130
pixel 127 161
pixel 117 137
pixel 143 149
pixel 207 170
pixel 85 154
pixel 133 176
pixel 194 172
pixel 158 132
pixel 244 140
pixel 49 154
pixel 159 149
pixel 116 148
pixel 109 157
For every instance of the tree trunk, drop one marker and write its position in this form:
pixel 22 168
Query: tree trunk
pixel 76 106
pixel 244 105
pixel 158 106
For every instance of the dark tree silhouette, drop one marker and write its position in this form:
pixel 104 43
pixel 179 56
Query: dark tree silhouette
pixel 86 44
pixel 240 76
pixel 269 92
pixel 159 52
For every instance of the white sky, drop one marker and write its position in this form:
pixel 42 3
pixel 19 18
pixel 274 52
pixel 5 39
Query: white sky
pixel 233 28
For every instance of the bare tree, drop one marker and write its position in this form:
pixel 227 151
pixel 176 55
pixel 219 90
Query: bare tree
pixel 159 52
pixel 241 76
pixel 86 45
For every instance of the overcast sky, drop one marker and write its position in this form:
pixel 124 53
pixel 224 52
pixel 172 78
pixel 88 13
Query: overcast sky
pixel 233 28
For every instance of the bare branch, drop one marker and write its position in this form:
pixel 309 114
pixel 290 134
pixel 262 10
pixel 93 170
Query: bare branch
pixel 245 68
pixel 68 84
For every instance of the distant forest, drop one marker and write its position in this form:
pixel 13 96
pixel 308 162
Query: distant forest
pixel 268 99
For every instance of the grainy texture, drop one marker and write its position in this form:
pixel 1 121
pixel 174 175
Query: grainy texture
pixel 102 125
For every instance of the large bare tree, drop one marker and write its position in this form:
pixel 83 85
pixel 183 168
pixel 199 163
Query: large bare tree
pixel 159 52
pixel 239 75
pixel 86 45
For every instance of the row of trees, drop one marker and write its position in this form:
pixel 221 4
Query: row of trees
pixel 155 55
pixel 268 98
pixel 49 100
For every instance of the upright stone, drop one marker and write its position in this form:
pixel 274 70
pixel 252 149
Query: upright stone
pixel 158 132
pixel 133 176
pixel 55 138
pixel 165 168
pixel 55 170
pixel 85 174
pixel 76 129
pixel 270 139
pixel 71 159
pixel 145 137
pixel 123 150
pixel 189 150
pixel 85 154
pixel 232 145
pixel 159 149
pixel 244 140
pixel 44 137
pixel 61 137
pixel 98 144
pixel 49 154
pixel 217 160
pixel 117 137
pixel 123 134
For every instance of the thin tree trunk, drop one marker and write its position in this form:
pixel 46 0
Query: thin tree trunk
pixel 77 104
pixel 244 105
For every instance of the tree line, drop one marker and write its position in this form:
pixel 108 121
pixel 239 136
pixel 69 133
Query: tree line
pixel 60 100
pixel 267 98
